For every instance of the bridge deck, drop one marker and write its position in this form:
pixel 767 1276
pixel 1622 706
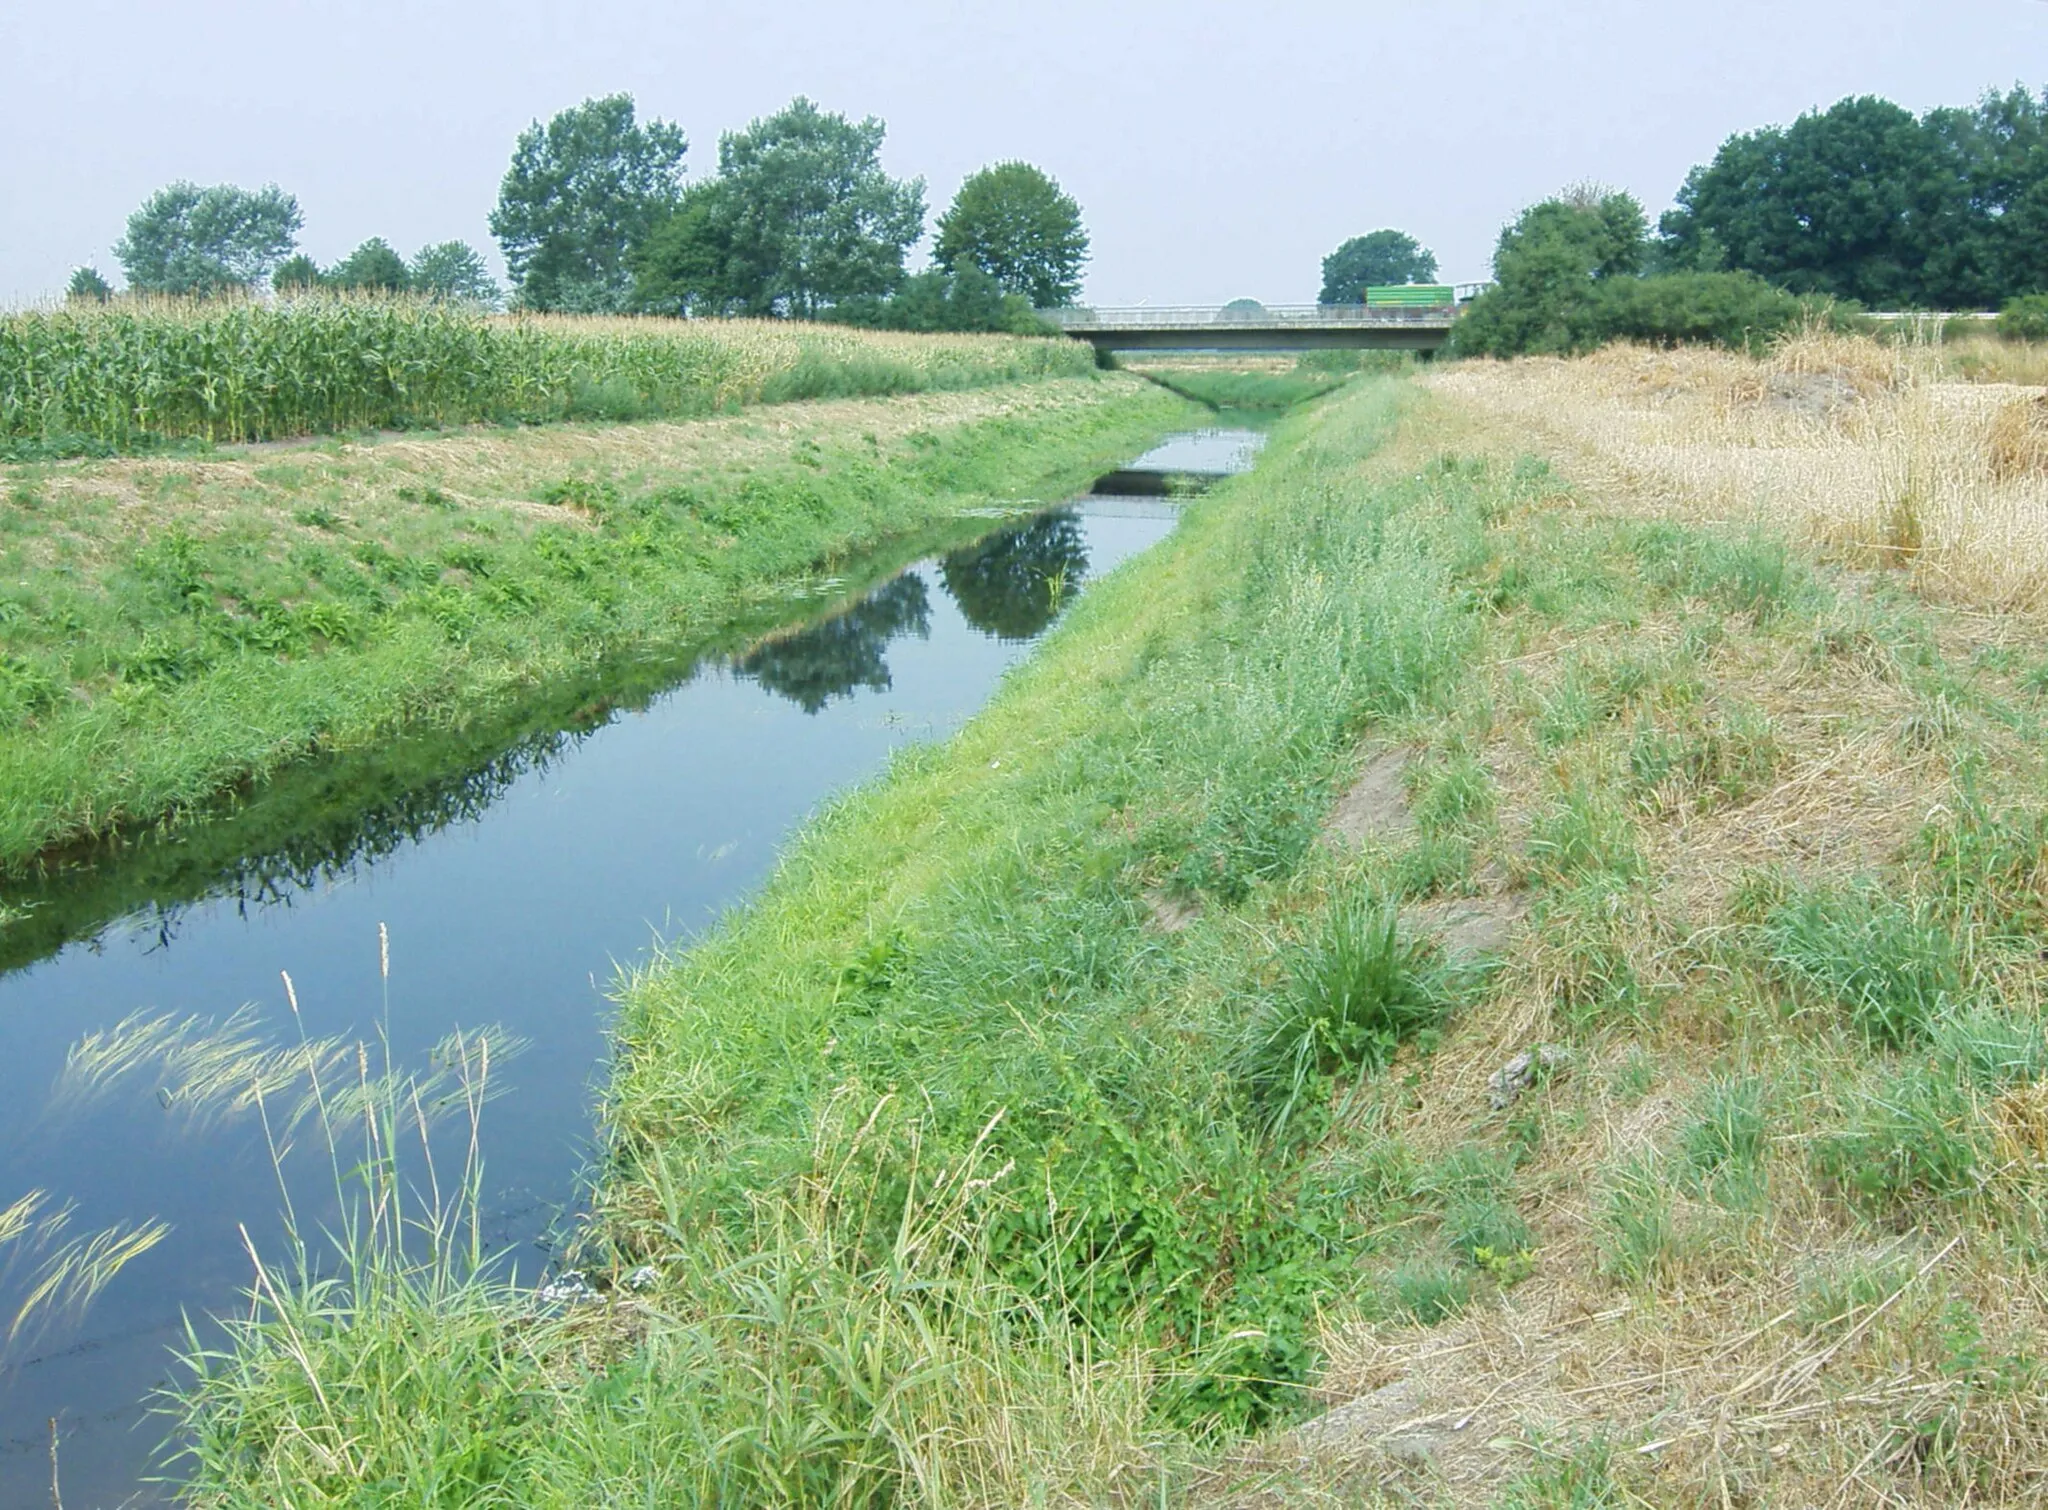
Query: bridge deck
pixel 1273 327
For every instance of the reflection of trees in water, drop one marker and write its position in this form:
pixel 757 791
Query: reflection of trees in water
pixel 314 826
pixel 321 822
pixel 828 660
pixel 1012 585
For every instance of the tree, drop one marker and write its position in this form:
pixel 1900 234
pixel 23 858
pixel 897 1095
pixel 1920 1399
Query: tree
pixel 581 195
pixel 372 267
pixel 87 287
pixel 804 216
pixel 189 240
pixel 943 300
pixel 691 262
pixel 1018 226
pixel 1374 260
pixel 1860 201
pixel 454 273
pixel 296 274
pixel 1547 269
pixel 1991 244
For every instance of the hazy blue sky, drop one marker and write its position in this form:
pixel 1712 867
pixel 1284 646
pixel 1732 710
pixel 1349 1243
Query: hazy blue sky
pixel 1217 150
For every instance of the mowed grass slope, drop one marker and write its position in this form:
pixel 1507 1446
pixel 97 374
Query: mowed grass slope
pixel 169 629
pixel 1079 1111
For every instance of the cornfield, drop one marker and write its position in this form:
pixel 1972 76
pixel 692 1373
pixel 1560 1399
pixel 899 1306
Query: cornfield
pixel 133 374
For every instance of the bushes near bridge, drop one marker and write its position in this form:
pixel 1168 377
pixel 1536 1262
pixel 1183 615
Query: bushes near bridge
pixel 1735 310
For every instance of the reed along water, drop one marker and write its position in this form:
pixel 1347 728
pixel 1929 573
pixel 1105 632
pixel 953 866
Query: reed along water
pixel 513 875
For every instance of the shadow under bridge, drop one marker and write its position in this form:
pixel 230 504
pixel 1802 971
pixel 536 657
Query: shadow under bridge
pixel 1272 327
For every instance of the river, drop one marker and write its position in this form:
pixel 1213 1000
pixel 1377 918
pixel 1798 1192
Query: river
pixel 512 877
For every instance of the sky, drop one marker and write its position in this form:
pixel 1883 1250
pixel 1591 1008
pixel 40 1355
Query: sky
pixel 1217 150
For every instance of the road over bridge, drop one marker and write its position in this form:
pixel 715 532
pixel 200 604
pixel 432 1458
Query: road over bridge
pixel 1272 327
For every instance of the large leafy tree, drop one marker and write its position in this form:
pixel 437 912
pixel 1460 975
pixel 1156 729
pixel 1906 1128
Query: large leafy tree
pixel 372 267
pixel 1017 225
pixel 803 216
pixel 692 262
pixel 1548 270
pixel 1372 261
pixel 1862 201
pixel 582 193
pixel 1991 242
pixel 454 272
pixel 191 240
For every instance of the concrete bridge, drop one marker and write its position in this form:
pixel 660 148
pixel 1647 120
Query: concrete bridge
pixel 1271 327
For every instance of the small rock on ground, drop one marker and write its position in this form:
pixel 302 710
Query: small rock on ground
pixel 1523 1071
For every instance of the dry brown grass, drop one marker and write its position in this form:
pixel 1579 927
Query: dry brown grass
pixel 2019 439
pixel 1786 1349
pixel 1859 448
pixel 1978 356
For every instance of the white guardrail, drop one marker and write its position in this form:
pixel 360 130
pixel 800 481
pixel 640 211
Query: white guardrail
pixel 1183 317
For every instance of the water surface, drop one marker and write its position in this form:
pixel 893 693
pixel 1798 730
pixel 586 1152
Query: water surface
pixel 513 880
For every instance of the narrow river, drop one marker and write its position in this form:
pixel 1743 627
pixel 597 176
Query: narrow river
pixel 512 886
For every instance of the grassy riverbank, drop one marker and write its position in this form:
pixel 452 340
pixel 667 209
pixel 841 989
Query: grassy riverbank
pixel 169 629
pixel 1120 1083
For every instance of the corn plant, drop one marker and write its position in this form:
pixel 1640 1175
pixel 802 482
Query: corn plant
pixel 133 373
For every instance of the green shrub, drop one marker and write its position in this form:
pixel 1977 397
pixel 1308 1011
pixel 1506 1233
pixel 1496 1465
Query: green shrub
pixel 1736 310
pixel 2024 318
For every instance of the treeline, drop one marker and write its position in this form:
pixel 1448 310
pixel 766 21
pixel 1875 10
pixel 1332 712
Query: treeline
pixel 593 217
pixel 1578 271
pixel 1859 206
pixel 1865 202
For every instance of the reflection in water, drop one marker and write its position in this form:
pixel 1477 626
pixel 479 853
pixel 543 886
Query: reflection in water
pixel 1011 586
pixel 513 862
pixel 823 661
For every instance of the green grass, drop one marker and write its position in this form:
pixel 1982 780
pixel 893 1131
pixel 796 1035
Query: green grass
pixel 1064 1096
pixel 146 667
pixel 950 1000
pixel 1357 991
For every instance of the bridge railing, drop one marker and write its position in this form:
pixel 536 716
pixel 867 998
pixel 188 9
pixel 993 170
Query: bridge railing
pixel 1270 316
